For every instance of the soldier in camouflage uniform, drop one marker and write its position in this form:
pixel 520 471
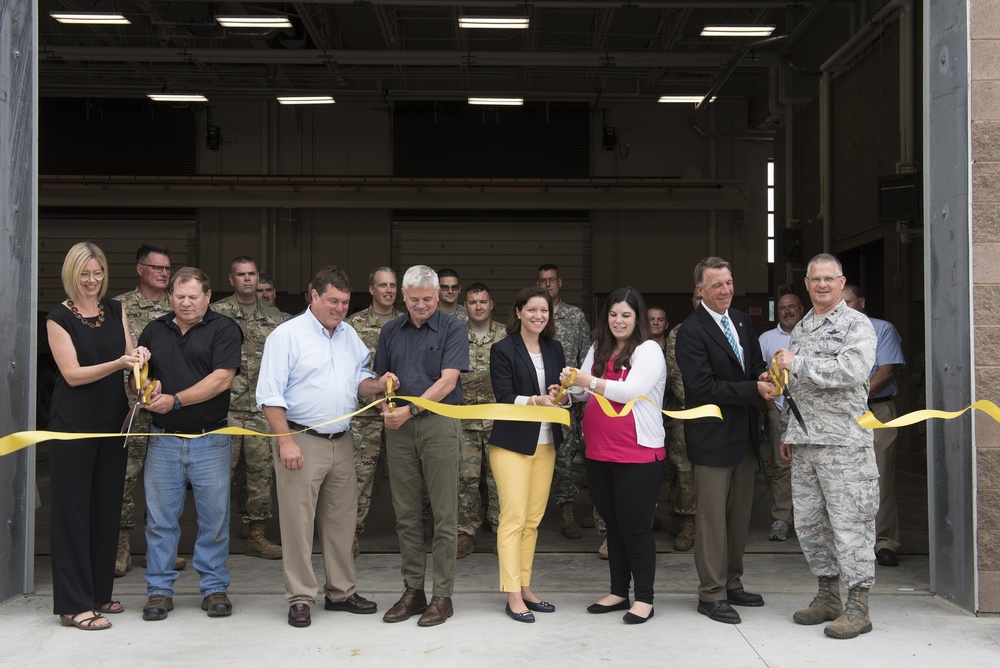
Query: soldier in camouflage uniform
pixel 573 332
pixel 682 496
pixel 143 305
pixel 449 290
pixel 256 319
pixel 475 449
pixel 367 428
pixel 834 476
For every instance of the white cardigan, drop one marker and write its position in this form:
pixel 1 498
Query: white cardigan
pixel 646 377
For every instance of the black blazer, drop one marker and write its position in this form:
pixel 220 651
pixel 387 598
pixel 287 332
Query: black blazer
pixel 512 373
pixel 713 375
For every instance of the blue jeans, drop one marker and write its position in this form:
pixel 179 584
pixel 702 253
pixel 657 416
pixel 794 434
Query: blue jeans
pixel 171 463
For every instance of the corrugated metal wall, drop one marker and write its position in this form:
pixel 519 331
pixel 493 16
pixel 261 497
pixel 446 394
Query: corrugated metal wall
pixel 17 305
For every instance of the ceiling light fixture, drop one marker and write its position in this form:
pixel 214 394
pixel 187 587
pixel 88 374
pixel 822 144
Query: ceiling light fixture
pixel 254 21
pixel 507 23
pixel 306 99
pixel 683 99
pixel 737 31
pixel 174 97
pixel 498 101
pixel 91 18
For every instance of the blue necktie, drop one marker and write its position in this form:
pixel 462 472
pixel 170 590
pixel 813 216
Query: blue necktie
pixel 732 341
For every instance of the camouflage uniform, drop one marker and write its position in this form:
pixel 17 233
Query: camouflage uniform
pixel 834 476
pixel 475 450
pixel 367 428
pixel 140 312
pixel 459 313
pixel 573 332
pixel 681 477
pixel 243 412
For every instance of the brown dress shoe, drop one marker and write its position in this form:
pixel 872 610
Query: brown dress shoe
pixel 438 611
pixel 353 603
pixel 298 615
pixel 412 602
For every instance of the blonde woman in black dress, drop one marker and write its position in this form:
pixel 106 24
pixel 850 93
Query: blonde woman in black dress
pixel 89 338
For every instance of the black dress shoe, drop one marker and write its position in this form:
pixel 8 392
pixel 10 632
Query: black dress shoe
pixel 525 616
pixel 886 557
pixel 541 606
pixel 353 603
pixel 719 611
pixel 636 619
pixel 745 598
pixel 298 615
pixel 598 609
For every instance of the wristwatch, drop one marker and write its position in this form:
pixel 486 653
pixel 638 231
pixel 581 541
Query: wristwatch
pixel 593 383
pixel 414 410
pixel 177 403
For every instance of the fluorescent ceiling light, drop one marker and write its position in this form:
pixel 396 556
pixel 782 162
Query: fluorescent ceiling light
pixel 737 31
pixel 174 97
pixel 683 99
pixel 306 99
pixel 91 18
pixel 508 23
pixel 254 21
pixel 498 101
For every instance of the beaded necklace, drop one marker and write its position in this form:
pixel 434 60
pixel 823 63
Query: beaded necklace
pixel 88 323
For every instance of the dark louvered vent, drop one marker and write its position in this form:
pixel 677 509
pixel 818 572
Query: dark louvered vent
pixel 115 137
pixel 455 139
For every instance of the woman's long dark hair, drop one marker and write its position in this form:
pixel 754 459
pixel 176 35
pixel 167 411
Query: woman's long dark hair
pixel 604 340
pixel 526 294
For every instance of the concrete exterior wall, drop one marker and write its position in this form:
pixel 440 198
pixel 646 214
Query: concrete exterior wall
pixel 985 134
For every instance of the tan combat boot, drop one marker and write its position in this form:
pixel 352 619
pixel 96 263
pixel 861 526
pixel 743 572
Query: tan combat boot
pixel 855 620
pixel 569 525
pixel 123 559
pixel 258 545
pixel 684 540
pixel 466 546
pixel 826 607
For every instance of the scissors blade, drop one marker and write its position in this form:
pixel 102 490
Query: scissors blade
pixel 130 419
pixel 795 410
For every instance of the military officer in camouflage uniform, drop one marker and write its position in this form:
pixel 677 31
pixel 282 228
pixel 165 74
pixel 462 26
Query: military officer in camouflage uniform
pixel 449 290
pixel 257 319
pixel 475 448
pixel 367 428
pixel 834 476
pixel 573 332
pixel 682 496
pixel 143 305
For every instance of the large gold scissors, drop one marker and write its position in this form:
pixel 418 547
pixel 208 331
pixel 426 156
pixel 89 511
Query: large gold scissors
pixel 780 378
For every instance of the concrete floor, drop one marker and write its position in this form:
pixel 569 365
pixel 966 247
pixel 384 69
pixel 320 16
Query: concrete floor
pixel 912 627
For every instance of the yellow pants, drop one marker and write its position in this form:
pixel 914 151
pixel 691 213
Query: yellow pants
pixel 523 484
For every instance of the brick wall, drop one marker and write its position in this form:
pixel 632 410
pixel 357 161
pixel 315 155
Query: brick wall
pixel 985 132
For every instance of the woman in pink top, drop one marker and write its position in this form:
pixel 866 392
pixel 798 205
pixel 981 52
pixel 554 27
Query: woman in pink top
pixel 625 454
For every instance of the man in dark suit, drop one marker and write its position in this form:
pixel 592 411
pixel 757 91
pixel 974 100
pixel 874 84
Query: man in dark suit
pixel 720 361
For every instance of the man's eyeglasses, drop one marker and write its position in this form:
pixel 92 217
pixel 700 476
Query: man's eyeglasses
pixel 816 280
pixel 451 288
pixel 548 281
pixel 157 268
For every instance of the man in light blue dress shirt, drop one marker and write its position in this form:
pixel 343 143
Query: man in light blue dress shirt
pixel 313 369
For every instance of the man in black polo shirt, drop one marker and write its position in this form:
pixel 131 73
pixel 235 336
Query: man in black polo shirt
pixel 426 350
pixel 197 356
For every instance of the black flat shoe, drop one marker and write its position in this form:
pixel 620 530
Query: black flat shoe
pixel 526 616
pixel 598 609
pixel 541 606
pixel 636 619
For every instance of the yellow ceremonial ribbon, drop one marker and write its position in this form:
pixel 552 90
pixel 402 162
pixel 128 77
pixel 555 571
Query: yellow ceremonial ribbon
pixel 869 421
pixel 22 439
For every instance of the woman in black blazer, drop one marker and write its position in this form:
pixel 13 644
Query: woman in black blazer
pixel 524 369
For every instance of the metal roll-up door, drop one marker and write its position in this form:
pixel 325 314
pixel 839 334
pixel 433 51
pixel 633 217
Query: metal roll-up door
pixel 119 235
pixel 501 249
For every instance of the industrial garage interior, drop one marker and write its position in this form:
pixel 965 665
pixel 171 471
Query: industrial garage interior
pixel 616 140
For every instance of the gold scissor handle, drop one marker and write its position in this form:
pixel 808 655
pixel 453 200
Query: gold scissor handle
pixel 778 376
pixel 389 403
pixel 141 374
pixel 564 387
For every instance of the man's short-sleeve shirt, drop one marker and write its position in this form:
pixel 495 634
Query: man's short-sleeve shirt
pixel 888 351
pixel 181 361
pixel 417 355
